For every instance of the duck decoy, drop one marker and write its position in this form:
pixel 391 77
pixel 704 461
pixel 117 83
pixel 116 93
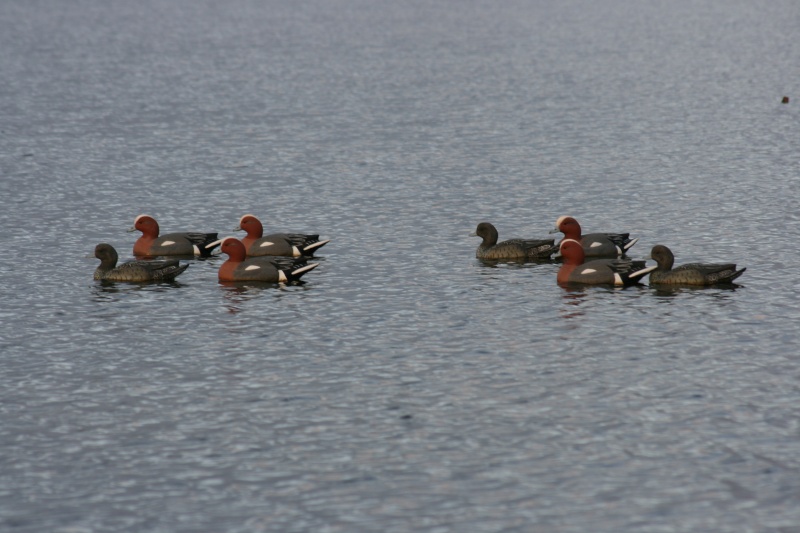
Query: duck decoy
pixel 184 243
pixel 286 244
pixel 619 272
pixel 689 273
pixel 594 244
pixel 239 267
pixel 490 249
pixel 108 270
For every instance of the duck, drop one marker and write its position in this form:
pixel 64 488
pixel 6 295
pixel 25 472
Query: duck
pixel 618 272
pixel 490 249
pixel 239 267
pixel 108 270
pixel 689 273
pixel 286 244
pixel 185 243
pixel 594 244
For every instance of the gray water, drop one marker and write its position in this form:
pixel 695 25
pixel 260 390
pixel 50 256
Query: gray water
pixel 405 386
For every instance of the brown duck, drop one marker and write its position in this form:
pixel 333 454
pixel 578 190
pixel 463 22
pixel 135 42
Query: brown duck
pixel 165 270
pixel 490 249
pixel 690 273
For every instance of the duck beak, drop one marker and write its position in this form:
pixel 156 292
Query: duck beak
pixel 131 229
pixel 554 230
pixel 238 228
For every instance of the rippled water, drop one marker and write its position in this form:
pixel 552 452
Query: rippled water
pixel 405 386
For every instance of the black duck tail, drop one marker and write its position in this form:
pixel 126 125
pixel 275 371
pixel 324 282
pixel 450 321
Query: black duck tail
pixel 632 278
pixel 288 263
pixel 300 239
pixel 203 242
pixel 629 244
pixel 209 242
pixel 297 273
pixel 309 249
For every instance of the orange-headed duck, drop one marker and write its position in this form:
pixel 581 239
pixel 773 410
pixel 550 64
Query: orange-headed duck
pixel 286 244
pixel 599 271
pixel 239 267
pixel 187 243
pixel 594 244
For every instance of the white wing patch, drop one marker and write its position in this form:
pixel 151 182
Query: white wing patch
pixel 595 244
pixel 253 267
pixel 167 243
pixel 618 279
pixel 588 271
pixel 265 244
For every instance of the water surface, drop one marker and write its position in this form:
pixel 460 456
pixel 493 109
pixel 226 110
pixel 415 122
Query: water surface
pixel 405 386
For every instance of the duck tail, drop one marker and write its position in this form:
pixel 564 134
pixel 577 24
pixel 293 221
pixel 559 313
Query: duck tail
pixel 289 263
pixel 736 274
pixel 635 277
pixel 171 271
pixel 629 244
pixel 213 244
pixel 297 273
pixel 547 252
pixel 311 248
pixel 209 243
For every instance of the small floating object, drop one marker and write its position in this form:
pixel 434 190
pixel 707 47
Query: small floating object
pixel 490 249
pixel 239 267
pixel 785 100
pixel 185 243
pixel 136 271
pixel 690 273
pixel 286 244
pixel 618 272
pixel 594 244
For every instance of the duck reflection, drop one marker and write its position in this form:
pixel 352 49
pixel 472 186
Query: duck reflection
pixel 106 290
pixel 574 296
pixel 672 291
pixel 515 263
pixel 238 293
